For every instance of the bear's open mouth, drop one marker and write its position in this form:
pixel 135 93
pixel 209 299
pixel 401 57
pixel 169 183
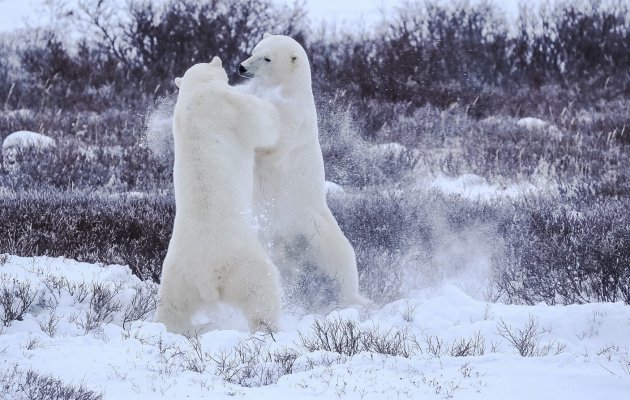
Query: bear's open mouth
pixel 246 74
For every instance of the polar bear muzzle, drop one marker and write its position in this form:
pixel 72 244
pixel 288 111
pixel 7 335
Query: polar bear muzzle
pixel 242 71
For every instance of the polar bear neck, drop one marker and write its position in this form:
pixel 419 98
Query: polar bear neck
pixel 293 88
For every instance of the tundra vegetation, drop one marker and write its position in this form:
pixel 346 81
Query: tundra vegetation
pixel 431 95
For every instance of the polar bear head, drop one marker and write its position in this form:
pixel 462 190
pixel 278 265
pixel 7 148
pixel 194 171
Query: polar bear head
pixel 203 72
pixel 277 60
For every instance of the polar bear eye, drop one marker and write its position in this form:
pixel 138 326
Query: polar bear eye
pixel 267 59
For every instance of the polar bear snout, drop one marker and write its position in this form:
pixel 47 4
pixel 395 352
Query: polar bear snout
pixel 244 71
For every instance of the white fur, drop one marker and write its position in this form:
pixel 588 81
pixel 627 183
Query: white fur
pixel 289 185
pixel 214 254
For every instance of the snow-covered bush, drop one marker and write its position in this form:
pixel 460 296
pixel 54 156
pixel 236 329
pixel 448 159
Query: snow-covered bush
pixel 566 253
pixel 26 384
pixel 254 363
pixel 110 228
pixel 16 298
pixel 347 337
pixel 528 340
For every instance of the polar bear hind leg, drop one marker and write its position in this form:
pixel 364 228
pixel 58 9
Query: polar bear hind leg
pixel 177 303
pixel 180 296
pixel 253 286
pixel 333 254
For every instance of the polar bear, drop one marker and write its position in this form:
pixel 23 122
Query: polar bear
pixel 214 254
pixel 289 184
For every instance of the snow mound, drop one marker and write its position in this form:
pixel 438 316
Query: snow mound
pixel 21 141
pixel 91 325
pixel 27 140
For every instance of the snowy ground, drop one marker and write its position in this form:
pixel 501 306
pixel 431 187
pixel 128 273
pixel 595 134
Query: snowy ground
pixel 91 325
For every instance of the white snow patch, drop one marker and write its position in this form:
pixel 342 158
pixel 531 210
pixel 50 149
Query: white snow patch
pixel 140 360
pixel 493 119
pixel 27 140
pixel 19 113
pixel 473 186
pixel 532 123
pixel 385 150
pixel 537 124
pixel 20 141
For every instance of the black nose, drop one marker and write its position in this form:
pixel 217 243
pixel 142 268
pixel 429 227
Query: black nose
pixel 241 69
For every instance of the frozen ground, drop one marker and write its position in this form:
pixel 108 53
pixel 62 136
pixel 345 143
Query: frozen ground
pixel 91 325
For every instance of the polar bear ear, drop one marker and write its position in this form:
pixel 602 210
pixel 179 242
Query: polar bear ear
pixel 266 35
pixel 178 82
pixel 216 61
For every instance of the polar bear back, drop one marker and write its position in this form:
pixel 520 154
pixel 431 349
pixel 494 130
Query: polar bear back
pixel 210 159
pixel 215 139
